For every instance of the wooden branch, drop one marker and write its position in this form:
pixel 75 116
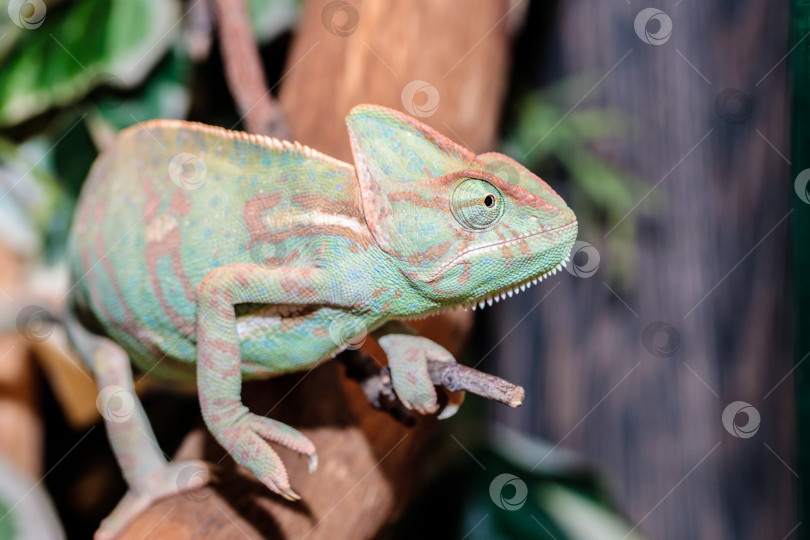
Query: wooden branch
pixel 457 377
pixel 376 383
pixel 200 30
pixel 244 71
pixel 21 431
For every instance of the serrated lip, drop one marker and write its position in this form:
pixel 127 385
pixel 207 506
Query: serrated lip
pixel 502 294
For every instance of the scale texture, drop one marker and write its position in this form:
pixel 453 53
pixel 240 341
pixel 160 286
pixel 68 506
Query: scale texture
pixel 208 255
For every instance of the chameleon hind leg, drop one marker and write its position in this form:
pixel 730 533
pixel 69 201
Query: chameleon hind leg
pixel 148 474
pixel 219 380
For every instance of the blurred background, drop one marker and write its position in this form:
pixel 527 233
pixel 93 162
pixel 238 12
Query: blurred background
pixel 661 393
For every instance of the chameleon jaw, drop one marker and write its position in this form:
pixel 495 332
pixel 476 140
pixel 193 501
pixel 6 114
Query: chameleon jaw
pixel 502 294
pixel 497 296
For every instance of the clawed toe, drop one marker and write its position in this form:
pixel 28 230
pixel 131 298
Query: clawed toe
pixel 290 495
pixel 423 402
pixel 246 440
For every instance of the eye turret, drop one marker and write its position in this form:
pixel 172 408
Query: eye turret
pixel 477 204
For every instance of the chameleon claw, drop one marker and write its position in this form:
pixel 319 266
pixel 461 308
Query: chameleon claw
pixel 448 411
pixel 289 494
pixel 454 401
pixel 312 460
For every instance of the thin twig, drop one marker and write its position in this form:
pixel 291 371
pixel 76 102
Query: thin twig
pixel 457 377
pixel 245 73
pixel 376 383
pixel 200 30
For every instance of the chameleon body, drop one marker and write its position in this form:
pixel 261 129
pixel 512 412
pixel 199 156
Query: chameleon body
pixel 210 255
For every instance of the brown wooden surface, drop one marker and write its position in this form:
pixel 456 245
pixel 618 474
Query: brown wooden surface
pixel 652 423
pixel 369 464
pixel 394 44
pixel 20 422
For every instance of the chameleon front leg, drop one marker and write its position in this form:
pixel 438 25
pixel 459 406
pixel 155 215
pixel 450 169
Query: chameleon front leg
pixel 243 434
pixel 148 474
pixel 408 354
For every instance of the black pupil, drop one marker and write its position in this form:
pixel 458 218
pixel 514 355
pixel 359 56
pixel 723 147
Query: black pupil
pixel 489 200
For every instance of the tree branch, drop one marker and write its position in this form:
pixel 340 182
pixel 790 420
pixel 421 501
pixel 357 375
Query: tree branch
pixel 376 383
pixel 245 73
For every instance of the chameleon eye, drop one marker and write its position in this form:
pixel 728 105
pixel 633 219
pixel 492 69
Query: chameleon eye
pixel 477 204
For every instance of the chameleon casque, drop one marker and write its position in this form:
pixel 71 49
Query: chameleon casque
pixel 208 255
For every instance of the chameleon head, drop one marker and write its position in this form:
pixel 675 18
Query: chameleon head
pixel 464 228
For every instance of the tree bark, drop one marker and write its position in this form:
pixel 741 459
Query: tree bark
pixel 21 429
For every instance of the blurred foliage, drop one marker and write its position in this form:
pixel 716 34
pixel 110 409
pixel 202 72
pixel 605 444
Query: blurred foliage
pixel 85 70
pixel 7 526
pixel 31 200
pixel 91 43
pixel 555 137
pixel 272 17
pixel 165 94
pixel 85 45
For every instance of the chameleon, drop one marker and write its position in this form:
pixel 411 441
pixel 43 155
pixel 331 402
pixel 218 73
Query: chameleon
pixel 212 256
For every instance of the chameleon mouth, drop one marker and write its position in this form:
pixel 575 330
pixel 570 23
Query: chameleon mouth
pixel 497 296
pixel 509 292
pixel 504 292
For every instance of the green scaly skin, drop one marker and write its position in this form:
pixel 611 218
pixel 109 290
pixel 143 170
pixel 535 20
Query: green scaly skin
pixel 208 255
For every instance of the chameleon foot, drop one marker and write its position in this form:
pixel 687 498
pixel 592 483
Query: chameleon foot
pixel 174 478
pixel 246 440
pixel 408 357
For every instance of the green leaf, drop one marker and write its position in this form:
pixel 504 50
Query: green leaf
pixel 8 526
pixel 580 517
pixel 80 46
pixel 31 199
pixel 164 94
pixel 596 124
pixel 605 185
